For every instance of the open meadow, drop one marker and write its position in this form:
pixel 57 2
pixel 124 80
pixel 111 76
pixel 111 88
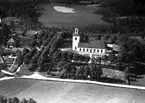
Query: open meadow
pixel 64 92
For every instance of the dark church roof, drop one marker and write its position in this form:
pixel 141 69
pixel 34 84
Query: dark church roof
pixel 100 44
pixel 76 34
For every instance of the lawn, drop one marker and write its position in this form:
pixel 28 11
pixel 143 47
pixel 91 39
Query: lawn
pixel 84 17
pixel 63 92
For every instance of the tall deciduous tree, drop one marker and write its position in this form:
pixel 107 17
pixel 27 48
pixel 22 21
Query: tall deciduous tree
pixel 15 100
pixel 57 55
pixel 95 72
pixel 64 56
pixel 70 56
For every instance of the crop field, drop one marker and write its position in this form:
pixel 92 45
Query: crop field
pixel 63 92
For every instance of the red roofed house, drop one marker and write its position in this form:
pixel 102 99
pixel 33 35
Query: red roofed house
pixel 93 49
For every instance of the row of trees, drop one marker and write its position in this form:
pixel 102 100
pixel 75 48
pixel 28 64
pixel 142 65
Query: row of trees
pixel 29 8
pixel 90 72
pixel 49 54
pixel 69 56
pixel 83 72
pixel 4 99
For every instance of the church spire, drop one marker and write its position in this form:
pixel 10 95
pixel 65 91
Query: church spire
pixel 76 33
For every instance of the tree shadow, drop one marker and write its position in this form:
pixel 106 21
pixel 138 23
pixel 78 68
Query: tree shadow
pixel 138 69
pixel 134 77
pixel 111 80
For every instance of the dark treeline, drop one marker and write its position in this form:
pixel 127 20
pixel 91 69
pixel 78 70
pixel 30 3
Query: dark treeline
pixel 125 7
pixel 4 99
pixel 21 9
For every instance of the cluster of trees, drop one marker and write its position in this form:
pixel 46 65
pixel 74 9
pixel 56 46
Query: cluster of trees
pixel 29 8
pixel 4 33
pixel 132 48
pixel 93 72
pixel 126 15
pixel 4 99
pixel 126 7
pixel 69 56
pixel 44 51
pixel 90 72
pixel 27 11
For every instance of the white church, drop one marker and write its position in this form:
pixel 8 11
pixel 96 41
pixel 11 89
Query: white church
pixel 93 49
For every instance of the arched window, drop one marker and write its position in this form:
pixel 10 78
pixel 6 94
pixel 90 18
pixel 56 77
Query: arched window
pixel 75 38
pixel 90 50
pixel 87 50
pixel 94 50
pixel 101 51
pixel 80 49
pixel 84 50
pixel 98 50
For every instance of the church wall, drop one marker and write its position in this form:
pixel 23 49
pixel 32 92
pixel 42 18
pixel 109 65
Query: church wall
pixel 92 52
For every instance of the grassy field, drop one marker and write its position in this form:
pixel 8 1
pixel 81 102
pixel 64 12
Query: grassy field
pixel 83 18
pixel 62 92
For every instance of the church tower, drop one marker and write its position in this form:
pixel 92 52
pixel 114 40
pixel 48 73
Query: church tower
pixel 75 39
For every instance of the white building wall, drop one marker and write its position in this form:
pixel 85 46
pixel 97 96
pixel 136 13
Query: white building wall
pixel 75 41
pixel 91 52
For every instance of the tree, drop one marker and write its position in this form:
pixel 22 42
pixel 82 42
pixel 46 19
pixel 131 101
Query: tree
pixel 34 59
pixel 112 58
pixel 98 37
pixel 86 72
pixel 15 100
pixel 48 67
pixel 106 37
pixel 19 59
pixel 81 58
pixel 10 100
pixel 113 39
pixel 27 58
pixel 67 68
pixel 127 72
pixel 61 63
pixel 33 67
pixel 64 56
pixel 4 33
pixel 95 72
pixel 39 42
pixel 24 101
pixel 33 51
pixel 80 73
pixel 25 51
pixel 70 56
pixel 32 101
pixel 18 52
pixel 98 59
pixel 3 99
pixel 87 59
pixel 105 58
pixel 45 43
pixel 57 55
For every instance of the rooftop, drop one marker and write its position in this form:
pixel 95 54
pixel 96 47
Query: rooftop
pixel 11 40
pixel 93 44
